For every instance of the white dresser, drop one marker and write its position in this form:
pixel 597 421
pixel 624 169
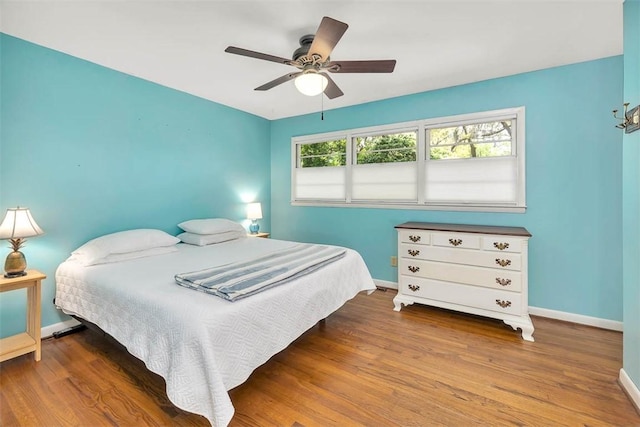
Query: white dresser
pixel 474 269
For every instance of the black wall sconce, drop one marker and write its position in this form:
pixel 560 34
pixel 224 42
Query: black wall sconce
pixel 630 120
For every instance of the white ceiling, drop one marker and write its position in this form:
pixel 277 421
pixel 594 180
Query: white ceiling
pixel 180 44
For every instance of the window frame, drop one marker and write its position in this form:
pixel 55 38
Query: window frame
pixel 516 114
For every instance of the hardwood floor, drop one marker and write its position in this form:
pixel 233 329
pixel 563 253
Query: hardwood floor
pixel 366 365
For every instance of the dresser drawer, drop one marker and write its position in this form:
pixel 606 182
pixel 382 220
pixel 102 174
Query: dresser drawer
pixel 470 296
pixel 419 237
pixel 476 276
pixel 501 244
pixel 506 261
pixel 456 240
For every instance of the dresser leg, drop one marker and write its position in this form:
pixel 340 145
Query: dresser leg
pixel 527 328
pixel 397 303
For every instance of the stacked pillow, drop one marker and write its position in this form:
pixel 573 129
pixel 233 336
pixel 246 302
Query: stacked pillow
pixel 203 232
pixel 125 245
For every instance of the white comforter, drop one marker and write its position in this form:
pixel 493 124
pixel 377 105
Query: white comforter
pixel 200 344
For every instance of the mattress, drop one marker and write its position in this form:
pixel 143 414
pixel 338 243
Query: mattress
pixel 202 345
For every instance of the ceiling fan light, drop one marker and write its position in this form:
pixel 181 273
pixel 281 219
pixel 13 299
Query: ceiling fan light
pixel 311 84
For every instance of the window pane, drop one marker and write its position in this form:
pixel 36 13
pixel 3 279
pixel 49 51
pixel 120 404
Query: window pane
pixel 389 148
pixel 491 139
pixel 320 154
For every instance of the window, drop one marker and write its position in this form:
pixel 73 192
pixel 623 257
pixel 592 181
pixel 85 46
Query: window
pixel 469 162
pixel 384 167
pixel 321 172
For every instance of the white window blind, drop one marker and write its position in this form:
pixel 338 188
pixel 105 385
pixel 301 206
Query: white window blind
pixel 487 180
pixel 385 181
pixel 320 183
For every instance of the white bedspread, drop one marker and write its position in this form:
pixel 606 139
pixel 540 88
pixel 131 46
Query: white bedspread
pixel 200 344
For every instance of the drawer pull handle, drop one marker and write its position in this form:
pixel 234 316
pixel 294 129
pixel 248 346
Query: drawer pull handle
pixel 503 304
pixel 413 252
pixel 455 242
pixel 414 287
pixel 503 262
pixel 503 282
pixel 413 269
pixel 501 246
pixel 414 238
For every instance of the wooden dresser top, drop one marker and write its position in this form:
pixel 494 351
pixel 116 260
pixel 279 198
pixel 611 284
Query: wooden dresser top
pixel 465 228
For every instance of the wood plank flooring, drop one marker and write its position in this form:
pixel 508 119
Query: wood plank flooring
pixel 366 365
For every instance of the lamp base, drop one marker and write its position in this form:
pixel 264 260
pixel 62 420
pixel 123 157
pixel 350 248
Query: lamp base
pixel 254 227
pixel 15 265
pixel 14 275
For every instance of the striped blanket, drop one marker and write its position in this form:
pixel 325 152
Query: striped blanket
pixel 244 278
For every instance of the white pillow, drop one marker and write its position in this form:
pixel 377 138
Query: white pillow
pixel 211 226
pixel 121 243
pixel 210 239
pixel 124 257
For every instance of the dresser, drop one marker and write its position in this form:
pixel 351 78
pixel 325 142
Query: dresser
pixel 474 269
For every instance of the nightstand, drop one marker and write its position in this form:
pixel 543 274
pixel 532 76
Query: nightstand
pixel 264 235
pixel 28 341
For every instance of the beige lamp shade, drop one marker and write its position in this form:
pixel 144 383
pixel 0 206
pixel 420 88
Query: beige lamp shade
pixel 254 211
pixel 18 224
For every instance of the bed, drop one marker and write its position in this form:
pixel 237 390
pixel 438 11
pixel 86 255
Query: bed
pixel 203 345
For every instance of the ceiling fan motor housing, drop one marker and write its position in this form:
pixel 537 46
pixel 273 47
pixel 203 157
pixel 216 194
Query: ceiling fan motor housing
pixel 300 54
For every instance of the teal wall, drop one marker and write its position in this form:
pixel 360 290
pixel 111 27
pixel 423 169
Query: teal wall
pixel 631 196
pixel 574 183
pixel 92 151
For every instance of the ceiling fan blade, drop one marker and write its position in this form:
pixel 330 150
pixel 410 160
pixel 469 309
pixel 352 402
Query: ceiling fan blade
pixel 257 55
pixel 376 66
pixel 332 90
pixel 329 33
pixel 278 81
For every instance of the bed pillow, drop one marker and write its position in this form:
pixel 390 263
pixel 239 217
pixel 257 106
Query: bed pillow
pixel 210 239
pixel 127 256
pixel 97 250
pixel 211 226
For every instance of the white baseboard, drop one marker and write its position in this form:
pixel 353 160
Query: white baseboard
pixel 48 331
pixel 385 284
pixel 630 388
pixel 543 312
pixel 577 318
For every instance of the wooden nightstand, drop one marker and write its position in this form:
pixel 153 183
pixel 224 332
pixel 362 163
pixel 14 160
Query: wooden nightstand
pixel 264 235
pixel 28 341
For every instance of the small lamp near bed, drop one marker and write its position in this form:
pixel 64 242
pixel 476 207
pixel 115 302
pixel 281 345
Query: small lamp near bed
pixel 254 213
pixel 17 225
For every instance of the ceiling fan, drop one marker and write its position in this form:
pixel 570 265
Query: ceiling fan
pixel 312 59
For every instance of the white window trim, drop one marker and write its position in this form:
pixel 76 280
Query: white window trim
pixel 421 125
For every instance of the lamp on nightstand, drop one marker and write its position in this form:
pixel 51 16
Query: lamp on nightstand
pixel 17 224
pixel 254 213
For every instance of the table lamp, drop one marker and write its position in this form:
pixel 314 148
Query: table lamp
pixel 254 213
pixel 16 226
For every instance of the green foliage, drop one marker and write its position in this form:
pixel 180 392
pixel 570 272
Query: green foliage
pixel 491 139
pixel 327 153
pixel 393 148
pixel 371 149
